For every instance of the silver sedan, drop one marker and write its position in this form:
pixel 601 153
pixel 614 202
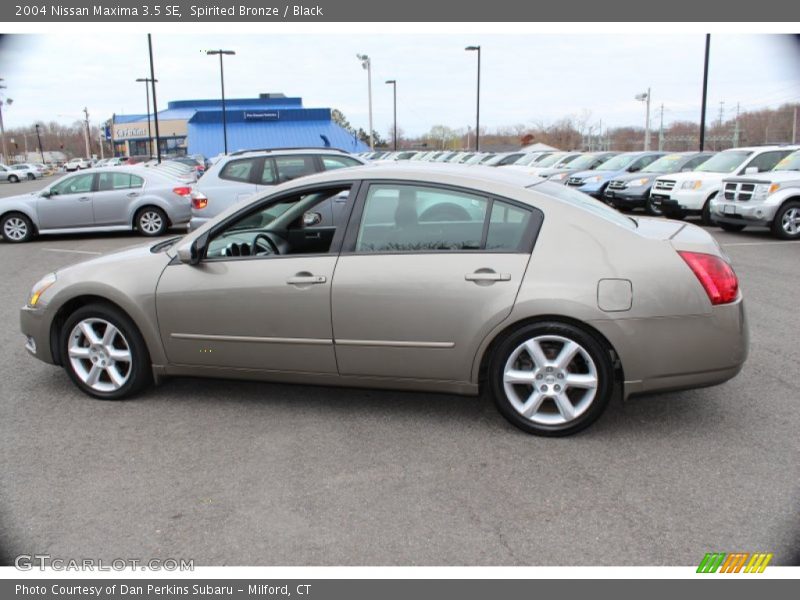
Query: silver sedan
pixel 106 199
pixel 450 279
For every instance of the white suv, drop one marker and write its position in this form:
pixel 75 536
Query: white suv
pixel 238 176
pixel 769 200
pixel 76 164
pixel 683 194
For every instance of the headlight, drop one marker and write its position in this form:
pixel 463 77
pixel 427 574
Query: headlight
pixel 593 179
pixel 638 182
pixel 762 190
pixel 695 184
pixel 39 288
pixel 558 176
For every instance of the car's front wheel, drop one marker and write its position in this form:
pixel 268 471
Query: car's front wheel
pixel 151 221
pixel 104 353
pixel 13 179
pixel 16 228
pixel 652 209
pixel 551 378
pixel 786 225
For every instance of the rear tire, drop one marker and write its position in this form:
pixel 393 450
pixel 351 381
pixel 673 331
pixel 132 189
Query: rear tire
pixel 104 354
pixel 31 176
pixel 551 378
pixel 786 225
pixel 151 221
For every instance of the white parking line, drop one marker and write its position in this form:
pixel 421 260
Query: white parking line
pixel 762 243
pixel 73 251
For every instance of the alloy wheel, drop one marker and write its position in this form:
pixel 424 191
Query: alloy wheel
pixel 15 229
pixel 151 222
pixel 100 355
pixel 550 380
pixel 791 221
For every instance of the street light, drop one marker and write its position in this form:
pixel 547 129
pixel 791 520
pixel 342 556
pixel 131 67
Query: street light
pixel 366 64
pixel 147 81
pixel 393 83
pixel 222 85
pixel 478 102
pixel 8 102
pixel 645 97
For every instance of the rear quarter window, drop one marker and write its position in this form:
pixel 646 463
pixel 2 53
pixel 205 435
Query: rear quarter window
pixel 584 202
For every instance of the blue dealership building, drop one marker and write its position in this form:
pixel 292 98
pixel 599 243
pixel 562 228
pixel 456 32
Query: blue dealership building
pixel 196 127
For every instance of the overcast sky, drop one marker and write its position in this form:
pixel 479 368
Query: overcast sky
pixel 525 78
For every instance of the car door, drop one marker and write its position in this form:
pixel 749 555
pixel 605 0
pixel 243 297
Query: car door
pixel 425 273
pixel 69 203
pixel 116 191
pixel 239 310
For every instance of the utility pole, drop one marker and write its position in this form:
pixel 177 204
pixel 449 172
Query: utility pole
pixel 366 64
pixel 661 130
pixel 39 139
pixel 645 97
pixel 736 128
pixel 86 132
pixel 600 136
pixel 705 95
pixel 2 127
pixel 794 125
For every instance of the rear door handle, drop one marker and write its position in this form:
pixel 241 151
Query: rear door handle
pixel 84 199
pixel 133 194
pixel 487 276
pixel 306 279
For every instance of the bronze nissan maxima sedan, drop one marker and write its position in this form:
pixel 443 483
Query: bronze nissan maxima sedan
pixel 428 277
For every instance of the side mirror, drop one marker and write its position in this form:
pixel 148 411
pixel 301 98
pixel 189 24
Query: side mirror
pixel 45 193
pixel 633 169
pixel 190 254
pixel 751 170
pixel 311 218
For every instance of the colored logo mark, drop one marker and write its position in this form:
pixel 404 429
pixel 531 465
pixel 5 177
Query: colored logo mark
pixel 734 562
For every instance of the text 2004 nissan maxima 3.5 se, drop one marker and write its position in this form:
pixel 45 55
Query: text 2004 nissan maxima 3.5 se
pixel 452 279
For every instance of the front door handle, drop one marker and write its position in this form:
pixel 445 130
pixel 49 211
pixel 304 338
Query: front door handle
pixel 84 199
pixel 487 275
pixel 133 194
pixel 306 279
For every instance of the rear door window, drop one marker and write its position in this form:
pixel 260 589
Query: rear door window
pixel 238 170
pixel 292 167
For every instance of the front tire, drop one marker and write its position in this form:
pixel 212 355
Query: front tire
pixel 16 228
pixel 732 227
pixel 705 215
pixel 13 179
pixel 651 209
pixel 551 378
pixel 786 225
pixel 151 221
pixel 104 354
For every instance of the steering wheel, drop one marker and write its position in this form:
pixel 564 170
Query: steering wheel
pixel 268 247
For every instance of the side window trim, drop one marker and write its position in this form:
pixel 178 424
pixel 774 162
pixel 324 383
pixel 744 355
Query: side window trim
pixel 357 213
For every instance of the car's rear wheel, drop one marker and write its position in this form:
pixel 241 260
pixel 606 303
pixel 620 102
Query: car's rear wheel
pixel 16 228
pixel 551 378
pixel 31 176
pixel 151 221
pixel 13 179
pixel 104 353
pixel 786 224
pixel 731 227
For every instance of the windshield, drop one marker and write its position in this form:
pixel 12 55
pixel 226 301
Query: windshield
pixel 790 163
pixel 584 202
pixel 550 160
pixel 666 164
pixel 583 162
pixel 618 163
pixel 724 162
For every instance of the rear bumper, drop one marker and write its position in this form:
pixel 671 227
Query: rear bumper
pixel 694 351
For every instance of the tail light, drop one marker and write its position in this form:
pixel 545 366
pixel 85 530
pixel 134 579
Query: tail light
pixel 199 200
pixel 183 190
pixel 715 275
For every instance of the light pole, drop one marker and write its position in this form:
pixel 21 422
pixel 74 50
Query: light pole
pixel 221 53
pixel 39 139
pixel 645 97
pixel 86 132
pixel 393 83
pixel 478 101
pixel 8 102
pixel 366 64
pixel 147 81
pixel 705 94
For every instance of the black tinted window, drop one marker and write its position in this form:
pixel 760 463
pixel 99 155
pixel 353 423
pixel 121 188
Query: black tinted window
pixel 507 226
pixel 292 167
pixel 238 170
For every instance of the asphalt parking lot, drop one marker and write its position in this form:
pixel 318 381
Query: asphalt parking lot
pixel 239 473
